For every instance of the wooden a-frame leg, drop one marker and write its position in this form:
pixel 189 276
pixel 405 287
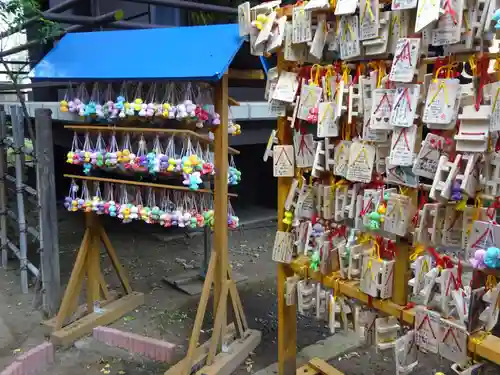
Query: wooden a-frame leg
pixel 93 262
pixel 75 283
pixel 220 320
pixel 240 307
pixel 200 313
pixel 237 306
pixel 114 261
pixel 104 287
pixel 237 312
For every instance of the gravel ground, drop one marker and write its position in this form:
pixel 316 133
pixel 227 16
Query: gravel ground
pixel 168 314
pixel 367 360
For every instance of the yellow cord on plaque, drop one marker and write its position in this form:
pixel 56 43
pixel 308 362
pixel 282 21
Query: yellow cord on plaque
pixel 495 99
pixel 341 150
pixel 346 71
pixel 475 215
pixel 462 204
pixel 419 250
pixel 491 282
pixel 424 269
pixel 422 5
pixel 342 184
pixel 449 69
pixel 328 111
pixel 375 66
pixel 312 82
pixel 382 72
pixel 315 81
pixel 328 85
pixel 395 19
pixel 397 204
pixel 348 27
pixel 441 86
pixel 362 149
pixel 473 65
pixel 364 238
pixel 496 67
pixel 466 20
pixel 368 5
pixel 332 184
pixel 375 253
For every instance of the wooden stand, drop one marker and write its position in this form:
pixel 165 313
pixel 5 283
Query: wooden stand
pixel 219 355
pixel 102 307
pixel 318 366
pixel 487 348
pixel 231 354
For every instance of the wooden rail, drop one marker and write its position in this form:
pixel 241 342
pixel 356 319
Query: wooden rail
pixel 112 128
pixel 487 347
pixel 137 183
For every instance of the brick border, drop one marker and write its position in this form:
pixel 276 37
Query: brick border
pixel 33 361
pixel 157 350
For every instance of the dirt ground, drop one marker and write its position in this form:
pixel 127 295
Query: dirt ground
pixel 368 361
pixel 168 314
pixel 149 255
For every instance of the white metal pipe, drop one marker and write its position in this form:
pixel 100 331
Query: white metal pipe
pixel 17 253
pixel 18 135
pixel 3 190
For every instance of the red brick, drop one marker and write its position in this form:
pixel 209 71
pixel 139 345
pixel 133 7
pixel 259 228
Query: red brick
pixel 15 368
pixel 37 359
pixel 133 343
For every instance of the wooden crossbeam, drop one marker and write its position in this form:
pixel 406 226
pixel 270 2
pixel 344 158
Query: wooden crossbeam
pixel 137 183
pixel 114 128
pixel 247 74
pixel 317 366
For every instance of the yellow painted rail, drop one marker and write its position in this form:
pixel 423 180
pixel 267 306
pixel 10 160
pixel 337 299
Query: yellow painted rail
pixel 488 347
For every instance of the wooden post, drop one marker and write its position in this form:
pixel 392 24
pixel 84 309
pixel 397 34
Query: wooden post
pixel 18 138
pixel 93 260
pixel 287 319
pixel 402 265
pixel 220 194
pixel 3 190
pixel 51 280
pixel 401 272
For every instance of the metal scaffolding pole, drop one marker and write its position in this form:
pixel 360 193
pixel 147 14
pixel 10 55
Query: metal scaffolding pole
pixel 17 120
pixel 84 20
pixel 97 21
pixel 188 5
pixel 133 25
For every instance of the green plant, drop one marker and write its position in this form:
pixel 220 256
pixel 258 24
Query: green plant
pixel 14 15
pixel 208 18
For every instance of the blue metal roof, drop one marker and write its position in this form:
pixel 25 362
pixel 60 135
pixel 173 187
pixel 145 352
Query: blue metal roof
pixel 180 53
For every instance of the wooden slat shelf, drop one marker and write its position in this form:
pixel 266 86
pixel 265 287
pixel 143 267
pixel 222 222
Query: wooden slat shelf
pixel 202 138
pixel 247 74
pixel 137 183
pixel 488 348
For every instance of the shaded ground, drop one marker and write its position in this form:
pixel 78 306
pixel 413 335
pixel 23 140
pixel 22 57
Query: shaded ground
pixel 167 314
pixel 368 361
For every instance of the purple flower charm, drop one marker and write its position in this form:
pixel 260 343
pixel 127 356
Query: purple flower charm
pixel 456 193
